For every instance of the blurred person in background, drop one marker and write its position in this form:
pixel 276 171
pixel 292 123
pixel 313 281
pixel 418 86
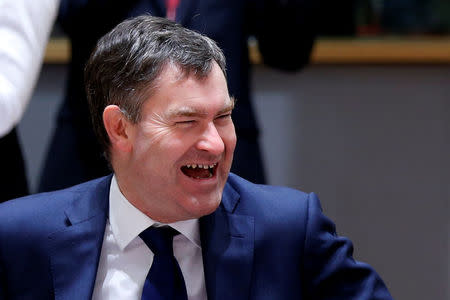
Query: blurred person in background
pixel 407 16
pixel 24 31
pixel 285 31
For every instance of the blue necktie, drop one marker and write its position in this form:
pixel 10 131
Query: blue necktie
pixel 164 281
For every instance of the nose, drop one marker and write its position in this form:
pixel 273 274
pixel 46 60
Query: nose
pixel 211 141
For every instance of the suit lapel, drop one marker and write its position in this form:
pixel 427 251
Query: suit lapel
pixel 227 246
pixel 75 251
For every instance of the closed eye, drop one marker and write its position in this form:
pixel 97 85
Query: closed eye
pixel 224 116
pixel 185 122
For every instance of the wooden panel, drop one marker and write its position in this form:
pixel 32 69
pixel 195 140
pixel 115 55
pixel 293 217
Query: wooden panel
pixel 58 51
pixel 393 50
pixel 335 51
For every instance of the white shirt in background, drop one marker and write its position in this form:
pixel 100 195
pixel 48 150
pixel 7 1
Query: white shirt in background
pixel 25 26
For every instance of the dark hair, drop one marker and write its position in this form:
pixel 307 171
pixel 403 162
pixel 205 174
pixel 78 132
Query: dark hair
pixel 124 66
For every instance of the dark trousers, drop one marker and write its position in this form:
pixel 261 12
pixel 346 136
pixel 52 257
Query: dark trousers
pixel 13 180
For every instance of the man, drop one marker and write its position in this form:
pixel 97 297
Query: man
pixel 285 30
pixel 161 108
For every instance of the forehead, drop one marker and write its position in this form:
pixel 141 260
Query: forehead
pixel 177 92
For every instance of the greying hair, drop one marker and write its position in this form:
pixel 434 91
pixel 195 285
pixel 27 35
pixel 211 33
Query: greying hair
pixel 125 65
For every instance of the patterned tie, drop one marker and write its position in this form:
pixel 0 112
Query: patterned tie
pixel 164 281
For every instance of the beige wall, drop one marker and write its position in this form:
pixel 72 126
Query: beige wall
pixel 374 143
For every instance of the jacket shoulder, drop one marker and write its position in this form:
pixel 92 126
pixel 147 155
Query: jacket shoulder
pixel 247 188
pixel 44 212
pixel 268 200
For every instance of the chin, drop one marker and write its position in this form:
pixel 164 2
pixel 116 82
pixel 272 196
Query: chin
pixel 201 207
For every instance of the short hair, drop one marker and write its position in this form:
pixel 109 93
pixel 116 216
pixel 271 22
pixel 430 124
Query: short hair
pixel 125 65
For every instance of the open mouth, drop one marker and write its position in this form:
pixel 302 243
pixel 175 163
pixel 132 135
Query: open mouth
pixel 199 171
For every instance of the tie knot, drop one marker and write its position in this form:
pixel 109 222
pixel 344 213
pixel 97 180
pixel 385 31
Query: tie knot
pixel 159 239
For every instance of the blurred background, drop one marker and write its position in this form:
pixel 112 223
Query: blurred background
pixel 366 126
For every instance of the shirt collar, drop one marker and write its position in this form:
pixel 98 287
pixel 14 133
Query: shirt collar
pixel 127 222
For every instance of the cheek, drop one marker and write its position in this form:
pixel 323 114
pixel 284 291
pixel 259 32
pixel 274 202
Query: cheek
pixel 160 147
pixel 153 137
pixel 228 135
pixel 150 149
pixel 155 133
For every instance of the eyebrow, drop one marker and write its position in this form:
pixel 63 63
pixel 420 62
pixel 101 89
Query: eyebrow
pixel 188 111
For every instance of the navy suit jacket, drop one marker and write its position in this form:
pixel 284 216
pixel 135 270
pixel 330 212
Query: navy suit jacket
pixel 261 243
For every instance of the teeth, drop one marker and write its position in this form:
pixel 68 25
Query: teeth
pixel 194 166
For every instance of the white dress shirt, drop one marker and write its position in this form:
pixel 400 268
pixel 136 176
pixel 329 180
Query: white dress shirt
pixel 25 26
pixel 125 259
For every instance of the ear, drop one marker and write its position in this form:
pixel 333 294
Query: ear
pixel 118 128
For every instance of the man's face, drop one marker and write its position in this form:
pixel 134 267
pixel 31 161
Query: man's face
pixel 182 148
